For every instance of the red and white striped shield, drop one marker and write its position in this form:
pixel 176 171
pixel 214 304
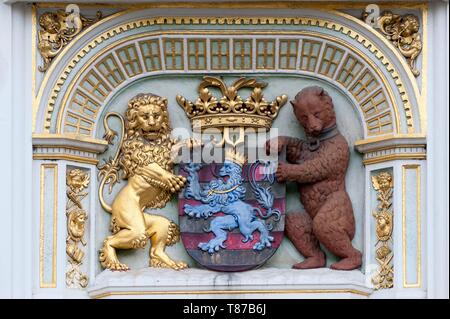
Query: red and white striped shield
pixel 231 214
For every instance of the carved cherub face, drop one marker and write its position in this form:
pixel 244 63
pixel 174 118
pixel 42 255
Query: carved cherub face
pixel 77 180
pixel 313 108
pixel 77 221
pixel 382 222
pixel 385 181
pixel 49 22
pixel 409 25
pixel 147 115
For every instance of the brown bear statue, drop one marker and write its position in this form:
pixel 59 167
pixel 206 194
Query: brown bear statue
pixel 318 165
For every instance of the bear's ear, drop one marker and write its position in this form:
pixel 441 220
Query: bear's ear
pixel 292 103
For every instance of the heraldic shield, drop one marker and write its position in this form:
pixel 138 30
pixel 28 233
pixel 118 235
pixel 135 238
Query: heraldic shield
pixel 232 212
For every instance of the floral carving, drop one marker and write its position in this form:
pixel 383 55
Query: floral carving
pixel 383 184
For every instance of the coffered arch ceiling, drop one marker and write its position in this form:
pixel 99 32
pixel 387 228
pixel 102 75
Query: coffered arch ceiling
pixel 134 44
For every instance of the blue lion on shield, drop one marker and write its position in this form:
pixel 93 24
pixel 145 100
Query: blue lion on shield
pixel 226 194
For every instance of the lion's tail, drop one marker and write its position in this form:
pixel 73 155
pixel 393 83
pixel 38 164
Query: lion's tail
pixel 109 171
pixel 173 235
pixel 105 205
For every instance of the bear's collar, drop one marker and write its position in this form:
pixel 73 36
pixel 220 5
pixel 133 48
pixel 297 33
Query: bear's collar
pixel 313 142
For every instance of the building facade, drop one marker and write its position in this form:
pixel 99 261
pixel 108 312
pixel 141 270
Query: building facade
pixel 68 68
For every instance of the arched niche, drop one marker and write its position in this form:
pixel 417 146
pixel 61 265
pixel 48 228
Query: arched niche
pixel 378 100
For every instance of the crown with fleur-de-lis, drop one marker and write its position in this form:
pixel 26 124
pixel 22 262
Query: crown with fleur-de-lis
pixel 231 110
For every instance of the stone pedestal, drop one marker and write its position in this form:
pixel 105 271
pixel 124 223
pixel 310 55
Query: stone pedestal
pixel 261 283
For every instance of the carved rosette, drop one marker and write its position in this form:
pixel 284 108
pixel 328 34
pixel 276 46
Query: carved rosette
pixel 384 277
pixel 57 30
pixel 77 180
pixel 403 32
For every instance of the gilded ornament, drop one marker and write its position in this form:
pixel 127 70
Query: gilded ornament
pixel 145 157
pixel 403 32
pixel 77 180
pixel 231 110
pixel 383 184
pixel 57 30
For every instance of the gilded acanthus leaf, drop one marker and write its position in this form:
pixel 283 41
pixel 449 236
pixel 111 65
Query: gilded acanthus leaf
pixel 248 83
pixel 205 102
pixel 186 105
pixel 256 102
pixel 213 81
pixel 277 104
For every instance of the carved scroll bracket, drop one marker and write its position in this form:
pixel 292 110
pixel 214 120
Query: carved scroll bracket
pixel 403 32
pixel 57 30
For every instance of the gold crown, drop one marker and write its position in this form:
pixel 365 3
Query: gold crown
pixel 231 110
pixel 235 157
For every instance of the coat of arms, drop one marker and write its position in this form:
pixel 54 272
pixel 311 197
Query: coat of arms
pixel 231 212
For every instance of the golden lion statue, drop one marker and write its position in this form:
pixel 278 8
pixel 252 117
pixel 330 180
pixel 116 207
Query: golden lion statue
pixel 145 155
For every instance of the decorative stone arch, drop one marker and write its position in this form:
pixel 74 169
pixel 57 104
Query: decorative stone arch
pixel 328 45
pixel 374 104
pixel 404 99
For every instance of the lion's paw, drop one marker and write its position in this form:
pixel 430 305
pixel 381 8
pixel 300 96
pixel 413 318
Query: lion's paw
pixel 263 243
pixel 116 266
pixel 213 246
pixel 108 260
pixel 113 265
pixel 196 211
pixel 191 211
pixel 158 263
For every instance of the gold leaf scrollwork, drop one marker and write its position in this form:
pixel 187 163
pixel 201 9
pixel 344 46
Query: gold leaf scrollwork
pixel 383 184
pixel 403 32
pixel 77 180
pixel 57 30
pixel 205 102
pixel 256 102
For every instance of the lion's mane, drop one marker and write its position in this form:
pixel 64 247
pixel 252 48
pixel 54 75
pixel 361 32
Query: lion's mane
pixel 221 185
pixel 137 149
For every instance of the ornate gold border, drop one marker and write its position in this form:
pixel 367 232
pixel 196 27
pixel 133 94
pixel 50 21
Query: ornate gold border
pixel 67 157
pixel 391 157
pixel 281 20
pixel 387 138
pixel 52 284
pixel 418 284
pixel 75 137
